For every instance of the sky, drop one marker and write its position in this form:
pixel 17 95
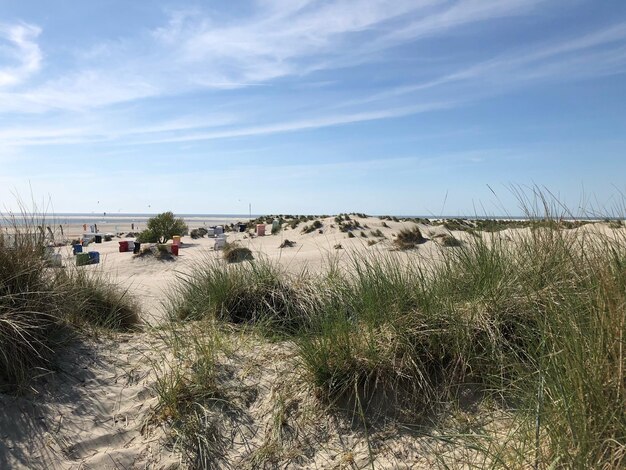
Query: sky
pixel 420 107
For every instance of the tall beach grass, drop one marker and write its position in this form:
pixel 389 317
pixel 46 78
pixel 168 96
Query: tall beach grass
pixel 531 320
pixel 42 306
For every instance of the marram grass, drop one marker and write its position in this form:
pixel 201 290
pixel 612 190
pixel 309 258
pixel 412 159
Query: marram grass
pixel 40 305
pixel 535 322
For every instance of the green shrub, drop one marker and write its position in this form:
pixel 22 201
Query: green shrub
pixel 147 236
pixel 162 228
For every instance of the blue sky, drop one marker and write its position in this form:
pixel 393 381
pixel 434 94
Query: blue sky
pixel 303 106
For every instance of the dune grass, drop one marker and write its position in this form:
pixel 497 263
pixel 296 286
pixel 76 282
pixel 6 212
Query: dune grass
pixel 409 238
pixel 534 323
pixel 41 307
pixel 257 293
pixel 194 399
pixel 234 253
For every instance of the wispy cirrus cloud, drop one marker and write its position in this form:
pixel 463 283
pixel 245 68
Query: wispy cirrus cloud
pixel 196 129
pixel 19 48
pixel 195 50
pixel 595 54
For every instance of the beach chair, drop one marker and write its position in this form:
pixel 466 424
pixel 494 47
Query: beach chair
pixel 220 242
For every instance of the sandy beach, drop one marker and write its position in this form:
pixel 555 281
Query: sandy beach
pixel 96 409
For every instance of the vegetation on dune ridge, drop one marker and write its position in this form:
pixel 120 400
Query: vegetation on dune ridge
pixel 409 238
pixel 533 325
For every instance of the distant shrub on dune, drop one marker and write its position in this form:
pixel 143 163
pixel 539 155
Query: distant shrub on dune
pixel 198 233
pixel 316 225
pixel 448 240
pixel 409 238
pixel 233 253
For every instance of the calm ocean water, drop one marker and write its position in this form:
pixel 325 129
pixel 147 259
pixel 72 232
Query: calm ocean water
pixel 116 218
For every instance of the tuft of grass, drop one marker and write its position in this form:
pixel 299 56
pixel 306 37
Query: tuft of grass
pixel 258 293
pixel 409 238
pixel 40 306
pixel 92 299
pixel 233 253
pixel 448 240
pixel 31 311
pixel 198 233
pixel 195 399
pixel 316 225
pixel 287 244
pixel 158 252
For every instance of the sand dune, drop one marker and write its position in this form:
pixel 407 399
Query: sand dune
pixel 95 409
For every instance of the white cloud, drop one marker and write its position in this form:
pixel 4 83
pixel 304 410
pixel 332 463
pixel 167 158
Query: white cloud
pixel 22 50
pixel 193 128
pixel 195 50
pixel 282 37
pixel 304 124
pixel 594 54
